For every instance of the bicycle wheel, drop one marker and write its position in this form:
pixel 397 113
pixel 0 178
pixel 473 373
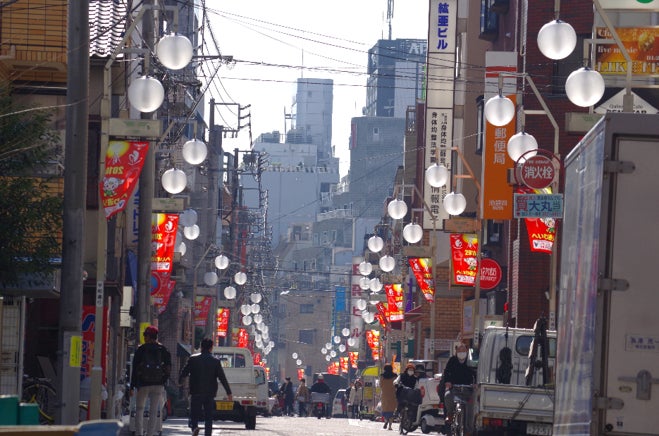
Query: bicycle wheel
pixel 405 423
pixel 457 427
pixel 44 395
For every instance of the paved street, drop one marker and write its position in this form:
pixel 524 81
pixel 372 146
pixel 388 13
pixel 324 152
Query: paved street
pixel 286 426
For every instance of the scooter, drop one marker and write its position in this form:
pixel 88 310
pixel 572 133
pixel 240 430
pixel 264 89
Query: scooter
pixel 320 402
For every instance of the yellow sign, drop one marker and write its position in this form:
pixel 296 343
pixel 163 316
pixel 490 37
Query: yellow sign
pixel 642 45
pixel 143 327
pixel 75 352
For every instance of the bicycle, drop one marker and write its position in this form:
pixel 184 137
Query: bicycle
pixel 458 419
pixel 42 392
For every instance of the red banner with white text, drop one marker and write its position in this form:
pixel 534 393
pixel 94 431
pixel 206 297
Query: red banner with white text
pixel 161 290
pixel 354 358
pixel 222 321
pixel 464 252
pixel 202 305
pixel 163 238
pixel 123 164
pixel 394 302
pixel 422 269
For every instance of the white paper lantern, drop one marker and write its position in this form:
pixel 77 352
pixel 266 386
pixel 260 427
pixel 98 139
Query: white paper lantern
pixel 437 175
pixel 256 308
pixel 255 297
pixel 146 94
pixel 557 39
pixel 188 218
pixel 584 87
pixel 247 319
pixel 499 110
pixel 365 268
pixel 345 332
pixel 258 318
pixel 342 348
pixel 210 278
pixel 191 232
pixel 375 243
pixel 361 304
pixel 245 309
pixel 336 339
pixel 352 342
pixel 454 204
pixel 397 209
pixel 299 362
pixel 412 233
pixel 229 292
pixel 522 144
pixel 364 282
pixel 194 151
pixel 222 262
pixel 387 263
pixel 174 51
pixel 174 181
pixel 375 285
pixel 240 278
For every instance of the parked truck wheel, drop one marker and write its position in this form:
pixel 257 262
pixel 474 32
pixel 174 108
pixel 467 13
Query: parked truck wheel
pixel 250 418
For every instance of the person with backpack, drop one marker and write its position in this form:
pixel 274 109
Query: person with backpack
pixel 152 364
pixel 204 371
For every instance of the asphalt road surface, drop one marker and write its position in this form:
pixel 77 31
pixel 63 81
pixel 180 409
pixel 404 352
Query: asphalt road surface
pixel 286 426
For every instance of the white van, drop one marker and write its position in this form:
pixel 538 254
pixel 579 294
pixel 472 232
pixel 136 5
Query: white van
pixel 262 398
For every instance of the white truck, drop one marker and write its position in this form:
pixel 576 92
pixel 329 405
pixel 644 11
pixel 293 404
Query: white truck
pixel 244 379
pixel 608 321
pixel 513 396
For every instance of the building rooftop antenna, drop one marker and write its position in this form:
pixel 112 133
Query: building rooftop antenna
pixel 390 14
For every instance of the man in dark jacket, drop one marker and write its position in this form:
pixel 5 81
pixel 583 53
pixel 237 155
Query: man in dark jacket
pixel 289 396
pixel 456 373
pixel 151 366
pixel 204 371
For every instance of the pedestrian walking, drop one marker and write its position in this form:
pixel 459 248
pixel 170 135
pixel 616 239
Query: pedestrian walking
pixel 289 396
pixel 152 364
pixel 204 371
pixel 388 398
pixel 303 396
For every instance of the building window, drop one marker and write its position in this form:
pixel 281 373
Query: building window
pixel 306 308
pixel 376 133
pixel 489 21
pixel 306 336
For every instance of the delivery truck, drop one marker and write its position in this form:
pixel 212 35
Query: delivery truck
pixel 607 369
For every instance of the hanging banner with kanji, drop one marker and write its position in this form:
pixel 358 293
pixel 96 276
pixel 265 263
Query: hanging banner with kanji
pixel 300 373
pixel 394 302
pixel 163 238
pixel 354 357
pixel 464 251
pixel 222 321
pixel 243 338
pixel 422 269
pixel 123 164
pixel 333 368
pixel 541 231
pixel 382 315
pixel 202 305
pixel 343 362
pixel 161 290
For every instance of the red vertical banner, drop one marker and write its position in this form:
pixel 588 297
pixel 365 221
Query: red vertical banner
pixel 382 315
pixel 422 269
pixel 300 373
pixel 464 252
pixel 257 358
pixel 163 238
pixel 123 164
pixel 88 336
pixel 354 358
pixel 344 364
pixel 222 321
pixel 394 302
pixel 243 338
pixel 202 305
pixel 542 233
pixel 161 290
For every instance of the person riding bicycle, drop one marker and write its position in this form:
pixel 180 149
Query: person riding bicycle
pixel 456 373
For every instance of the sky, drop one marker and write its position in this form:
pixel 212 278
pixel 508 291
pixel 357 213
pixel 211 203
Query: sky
pixel 276 42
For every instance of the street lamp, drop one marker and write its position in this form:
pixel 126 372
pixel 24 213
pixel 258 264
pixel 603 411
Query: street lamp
pixel 375 244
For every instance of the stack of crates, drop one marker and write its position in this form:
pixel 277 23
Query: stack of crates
pixel 12 412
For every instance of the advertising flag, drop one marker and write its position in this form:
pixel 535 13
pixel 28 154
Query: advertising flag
pixel 464 251
pixel 202 305
pixel 422 269
pixel 163 238
pixel 161 290
pixel 223 314
pixel 394 302
pixel 354 358
pixel 123 164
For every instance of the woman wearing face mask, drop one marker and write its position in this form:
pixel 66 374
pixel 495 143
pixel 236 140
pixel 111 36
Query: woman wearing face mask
pixel 408 378
pixel 456 373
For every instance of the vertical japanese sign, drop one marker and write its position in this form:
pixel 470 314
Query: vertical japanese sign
pixel 496 194
pixel 344 364
pixel 88 346
pixel 300 373
pixel 202 305
pixel 394 302
pixel 464 256
pixel 382 314
pixel 222 321
pixel 161 290
pixel 541 231
pixel 243 338
pixel 439 101
pixel 422 269
pixel 356 293
pixel 354 358
pixel 123 164
pixel 163 237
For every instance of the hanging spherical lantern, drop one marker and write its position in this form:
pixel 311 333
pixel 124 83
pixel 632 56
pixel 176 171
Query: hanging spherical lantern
pixel 210 278
pixel 256 308
pixel 188 218
pixel 222 262
pixel 328 358
pixel 323 350
pixel 258 318
pixel 352 342
pixel 174 181
pixel 499 110
pixel 247 319
pixel 454 204
pixel 365 268
pixel 194 151
pixel 245 309
pixel 336 339
pixel 146 94
pixel 437 175
pixel 375 243
pixel 368 317
pixel 397 209
pixel 364 282
pixel 294 355
pixel 522 143
pixel 361 304
pixel 375 285
pixel 387 263
pixel 191 232
pixel 229 292
pixel 240 278
pixel 299 362
pixel 345 332
pixel 255 297
pixel 412 233
pixel 584 87
pixel 174 51
pixel 557 39
pixel 333 353
pixel 181 247
pixel 342 348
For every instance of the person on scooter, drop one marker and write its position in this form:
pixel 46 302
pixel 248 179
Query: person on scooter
pixel 456 373
pixel 321 387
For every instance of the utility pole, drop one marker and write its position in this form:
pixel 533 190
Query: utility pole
pixel 75 189
pixel 146 203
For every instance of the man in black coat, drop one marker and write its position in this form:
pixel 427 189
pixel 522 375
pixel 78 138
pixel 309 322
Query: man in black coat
pixel 204 371
pixel 456 373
